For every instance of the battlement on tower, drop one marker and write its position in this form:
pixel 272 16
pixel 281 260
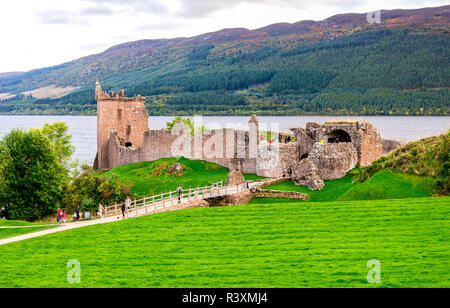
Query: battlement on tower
pixel 102 95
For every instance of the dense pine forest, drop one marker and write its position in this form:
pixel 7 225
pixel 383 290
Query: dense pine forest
pixel 356 70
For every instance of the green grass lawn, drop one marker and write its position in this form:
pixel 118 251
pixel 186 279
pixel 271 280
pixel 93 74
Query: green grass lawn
pixel 5 233
pixel 294 244
pixel 385 184
pixel 151 178
pixel 12 223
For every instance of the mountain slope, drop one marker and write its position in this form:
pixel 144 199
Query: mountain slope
pixel 340 65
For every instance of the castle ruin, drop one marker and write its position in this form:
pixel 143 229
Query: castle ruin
pixel 319 152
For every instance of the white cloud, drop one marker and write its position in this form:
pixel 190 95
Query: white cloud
pixel 49 32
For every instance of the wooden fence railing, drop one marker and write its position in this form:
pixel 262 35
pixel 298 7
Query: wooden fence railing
pixel 152 204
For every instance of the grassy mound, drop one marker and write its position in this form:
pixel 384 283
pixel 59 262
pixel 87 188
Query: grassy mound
pixel 149 178
pixel 298 244
pixel 385 184
pixel 426 157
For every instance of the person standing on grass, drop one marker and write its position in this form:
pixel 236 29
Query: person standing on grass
pixel 100 210
pixel 180 193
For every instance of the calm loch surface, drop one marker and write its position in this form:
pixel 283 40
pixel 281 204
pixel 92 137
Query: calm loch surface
pixel 83 129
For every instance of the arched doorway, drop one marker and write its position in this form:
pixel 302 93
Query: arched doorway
pixel 304 156
pixel 128 144
pixel 338 136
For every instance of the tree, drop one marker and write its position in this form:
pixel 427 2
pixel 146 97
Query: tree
pixel 33 171
pixel 57 133
pixel 186 121
pixel 88 188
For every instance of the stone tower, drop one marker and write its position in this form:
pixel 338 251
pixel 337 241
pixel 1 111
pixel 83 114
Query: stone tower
pixel 253 130
pixel 125 116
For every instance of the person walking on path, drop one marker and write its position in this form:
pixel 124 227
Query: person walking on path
pixel 63 216
pixel 180 193
pixel 77 212
pixel 123 209
pixel 59 216
pixel 127 205
pixel 100 210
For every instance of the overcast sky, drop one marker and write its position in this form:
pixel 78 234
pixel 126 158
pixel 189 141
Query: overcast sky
pixel 42 33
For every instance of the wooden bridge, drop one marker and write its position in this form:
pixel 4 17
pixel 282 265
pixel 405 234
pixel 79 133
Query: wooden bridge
pixel 171 200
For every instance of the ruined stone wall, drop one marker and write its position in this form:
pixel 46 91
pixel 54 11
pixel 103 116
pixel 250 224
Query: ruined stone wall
pixel 371 144
pixel 305 141
pixel 119 155
pixel 364 137
pixel 277 160
pixel 333 160
pixel 123 137
pixel 242 197
pixel 226 147
pixel 127 117
pixel 266 193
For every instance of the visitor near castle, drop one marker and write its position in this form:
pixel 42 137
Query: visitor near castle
pixel 123 209
pixel 100 210
pixel 77 213
pixel 127 205
pixel 180 193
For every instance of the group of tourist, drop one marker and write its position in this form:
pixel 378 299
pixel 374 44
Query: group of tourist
pixel 61 214
pixel 125 206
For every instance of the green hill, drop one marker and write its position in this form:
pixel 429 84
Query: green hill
pixel 342 65
pixel 151 178
pixel 425 157
pixel 385 184
pixel 322 244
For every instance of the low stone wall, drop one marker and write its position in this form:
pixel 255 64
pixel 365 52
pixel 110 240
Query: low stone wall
pixel 263 193
pixel 242 197
pixel 275 181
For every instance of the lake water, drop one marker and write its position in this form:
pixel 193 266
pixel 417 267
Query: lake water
pixel 83 129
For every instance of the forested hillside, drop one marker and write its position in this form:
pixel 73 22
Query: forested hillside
pixel 338 66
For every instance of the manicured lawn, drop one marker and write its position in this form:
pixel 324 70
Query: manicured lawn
pixel 294 244
pixel 385 184
pixel 10 223
pixel 6 233
pixel 151 178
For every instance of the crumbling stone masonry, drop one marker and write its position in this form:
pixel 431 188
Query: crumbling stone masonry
pixel 269 193
pixel 242 197
pixel 334 160
pixel 123 137
pixel 128 119
pixel 332 149
pixel 235 178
